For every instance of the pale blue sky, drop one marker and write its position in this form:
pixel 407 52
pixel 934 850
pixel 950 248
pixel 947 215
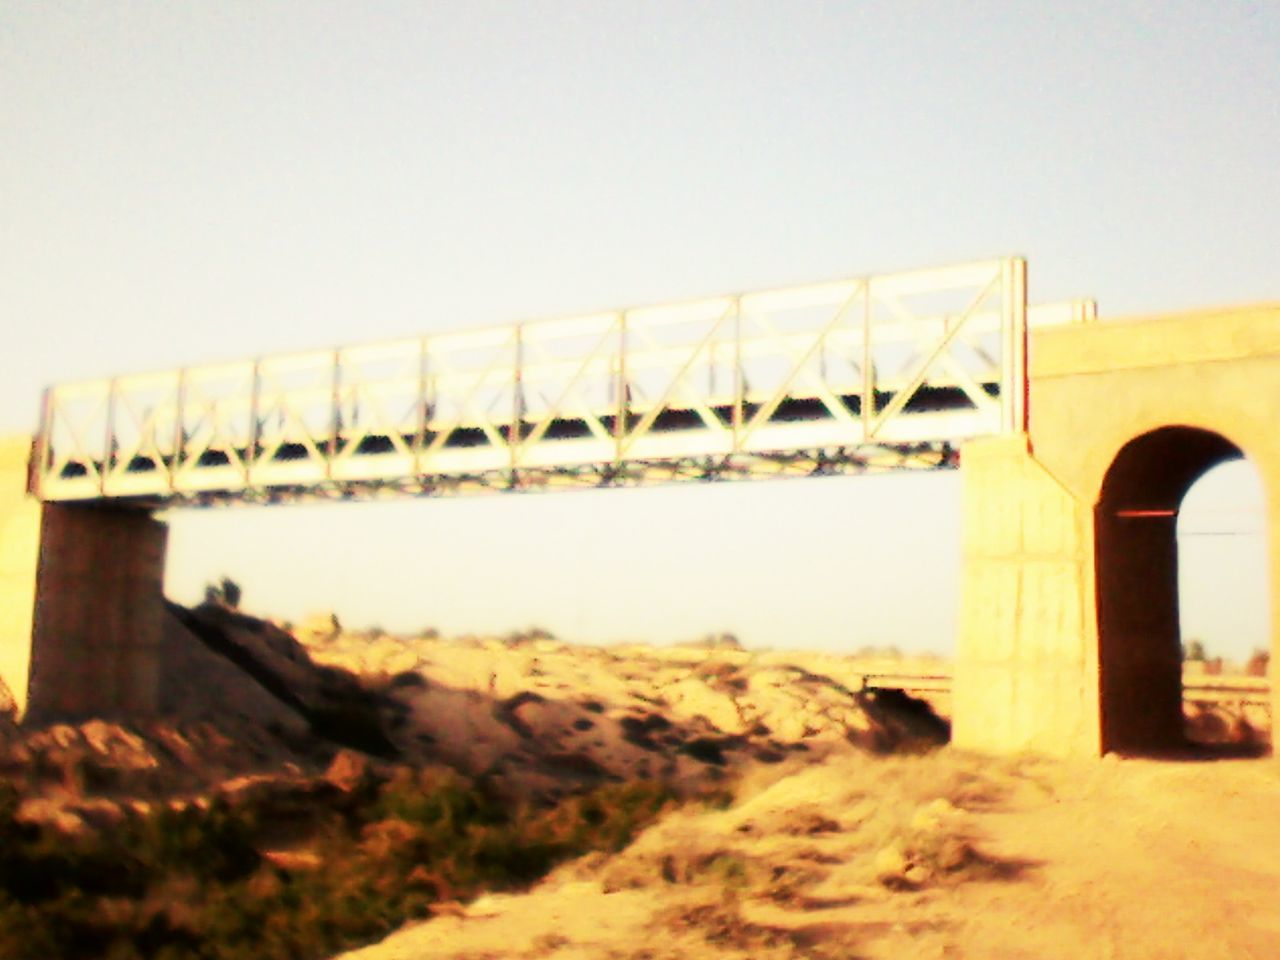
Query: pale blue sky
pixel 188 182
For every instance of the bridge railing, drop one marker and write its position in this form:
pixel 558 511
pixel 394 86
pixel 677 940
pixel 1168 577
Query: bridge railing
pixel 908 359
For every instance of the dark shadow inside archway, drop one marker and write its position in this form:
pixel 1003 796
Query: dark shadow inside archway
pixel 1140 654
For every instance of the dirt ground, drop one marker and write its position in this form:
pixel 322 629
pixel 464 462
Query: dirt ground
pixel 1134 859
pixel 842 839
pixel 1120 859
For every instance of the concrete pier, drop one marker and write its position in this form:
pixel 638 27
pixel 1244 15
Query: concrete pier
pixel 99 613
pixel 81 602
pixel 1069 631
pixel 1026 672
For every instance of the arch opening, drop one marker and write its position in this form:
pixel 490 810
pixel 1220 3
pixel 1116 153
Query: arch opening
pixel 1139 623
pixel 1225 608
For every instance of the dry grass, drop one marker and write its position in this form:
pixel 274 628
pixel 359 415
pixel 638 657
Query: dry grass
pixel 777 872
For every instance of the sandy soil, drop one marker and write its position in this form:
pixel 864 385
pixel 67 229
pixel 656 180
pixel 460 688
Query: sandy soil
pixel 1119 859
pixel 1135 859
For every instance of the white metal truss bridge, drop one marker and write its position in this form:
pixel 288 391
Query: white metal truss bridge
pixel 871 373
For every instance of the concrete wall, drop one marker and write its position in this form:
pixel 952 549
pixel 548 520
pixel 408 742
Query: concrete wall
pixel 1044 539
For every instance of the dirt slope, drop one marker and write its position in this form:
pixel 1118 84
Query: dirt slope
pixel 940 856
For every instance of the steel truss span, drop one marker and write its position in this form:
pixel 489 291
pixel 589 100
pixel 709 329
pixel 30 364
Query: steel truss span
pixel 871 373
pixel 637 473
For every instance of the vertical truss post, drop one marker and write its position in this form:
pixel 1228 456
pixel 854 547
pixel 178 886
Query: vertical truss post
pixel 335 415
pixel 712 359
pixel 1013 385
pixel 622 409
pixel 868 365
pixel 179 428
pixel 424 407
pixel 255 427
pixel 517 403
pixel 42 449
pixel 739 380
pixel 109 453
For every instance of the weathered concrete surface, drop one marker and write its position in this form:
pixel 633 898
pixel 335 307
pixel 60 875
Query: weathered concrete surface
pixel 19 547
pixel 1080 518
pixel 1026 665
pixel 99 613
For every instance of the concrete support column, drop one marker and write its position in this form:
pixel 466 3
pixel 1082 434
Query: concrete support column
pixel 1026 673
pixel 99 613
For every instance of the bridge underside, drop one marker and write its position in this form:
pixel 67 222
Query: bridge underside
pixel 631 473
pixel 791 436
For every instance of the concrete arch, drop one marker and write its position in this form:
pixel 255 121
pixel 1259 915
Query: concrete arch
pixel 1136 564
pixel 1155 469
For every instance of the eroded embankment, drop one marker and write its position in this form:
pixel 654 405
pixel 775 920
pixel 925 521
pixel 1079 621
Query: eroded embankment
pixel 319 775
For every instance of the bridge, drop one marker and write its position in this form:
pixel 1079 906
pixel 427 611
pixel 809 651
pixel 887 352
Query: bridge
pixel 882 372
pixel 1076 439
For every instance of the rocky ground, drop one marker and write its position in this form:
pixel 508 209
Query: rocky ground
pixel 251 709
pixel 542 714
pixel 844 830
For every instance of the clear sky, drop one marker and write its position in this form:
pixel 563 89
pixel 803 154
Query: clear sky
pixel 189 182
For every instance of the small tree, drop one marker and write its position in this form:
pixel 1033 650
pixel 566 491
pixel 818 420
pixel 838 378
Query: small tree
pixel 225 593
pixel 1194 650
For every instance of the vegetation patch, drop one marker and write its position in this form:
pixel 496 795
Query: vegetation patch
pixel 197 882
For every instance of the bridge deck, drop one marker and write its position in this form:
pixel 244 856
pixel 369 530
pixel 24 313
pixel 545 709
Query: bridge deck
pixel 870 373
